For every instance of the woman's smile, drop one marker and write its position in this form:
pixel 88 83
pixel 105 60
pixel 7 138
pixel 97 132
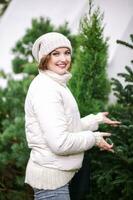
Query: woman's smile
pixel 61 65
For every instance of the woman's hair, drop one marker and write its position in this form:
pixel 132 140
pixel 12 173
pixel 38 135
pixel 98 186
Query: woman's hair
pixel 43 63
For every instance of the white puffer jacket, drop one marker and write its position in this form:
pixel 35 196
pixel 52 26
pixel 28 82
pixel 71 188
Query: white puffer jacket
pixel 55 133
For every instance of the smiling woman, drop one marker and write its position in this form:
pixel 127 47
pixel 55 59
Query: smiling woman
pixel 61 59
pixel 56 134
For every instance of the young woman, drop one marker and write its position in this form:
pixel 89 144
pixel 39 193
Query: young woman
pixel 55 133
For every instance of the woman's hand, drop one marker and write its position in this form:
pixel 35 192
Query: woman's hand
pixel 101 142
pixel 108 121
pixel 103 145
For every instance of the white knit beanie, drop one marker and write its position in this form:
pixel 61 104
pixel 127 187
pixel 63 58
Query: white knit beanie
pixel 48 42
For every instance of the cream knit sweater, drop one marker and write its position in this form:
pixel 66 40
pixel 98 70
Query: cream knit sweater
pixel 55 132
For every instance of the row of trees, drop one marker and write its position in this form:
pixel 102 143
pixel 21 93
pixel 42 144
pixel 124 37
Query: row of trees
pixel 111 174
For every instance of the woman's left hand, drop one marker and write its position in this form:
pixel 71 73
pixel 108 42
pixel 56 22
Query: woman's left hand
pixel 108 121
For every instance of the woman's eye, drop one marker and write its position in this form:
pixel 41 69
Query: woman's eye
pixel 55 53
pixel 67 52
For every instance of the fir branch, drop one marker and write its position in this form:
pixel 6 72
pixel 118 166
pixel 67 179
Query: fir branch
pixel 124 43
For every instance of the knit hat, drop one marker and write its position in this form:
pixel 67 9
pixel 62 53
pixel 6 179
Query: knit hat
pixel 48 42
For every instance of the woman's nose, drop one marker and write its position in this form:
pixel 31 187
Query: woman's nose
pixel 62 57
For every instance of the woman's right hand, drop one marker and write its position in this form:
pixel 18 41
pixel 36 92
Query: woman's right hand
pixel 101 142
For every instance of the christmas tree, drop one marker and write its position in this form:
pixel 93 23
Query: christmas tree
pixel 112 173
pixel 89 84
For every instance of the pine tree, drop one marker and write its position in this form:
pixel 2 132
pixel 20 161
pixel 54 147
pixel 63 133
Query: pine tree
pixel 89 83
pixel 112 174
pixel 13 147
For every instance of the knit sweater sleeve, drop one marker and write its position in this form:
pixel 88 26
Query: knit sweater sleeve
pixel 91 122
pixel 49 111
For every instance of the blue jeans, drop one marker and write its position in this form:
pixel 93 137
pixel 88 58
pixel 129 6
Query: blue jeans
pixel 61 193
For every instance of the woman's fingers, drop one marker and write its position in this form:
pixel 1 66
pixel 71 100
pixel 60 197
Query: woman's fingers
pixel 109 121
pixel 111 150
pixel 105 146
pixel 105 134
pixel 115 123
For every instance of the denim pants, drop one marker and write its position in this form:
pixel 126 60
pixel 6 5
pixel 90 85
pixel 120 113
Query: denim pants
pixel 61 193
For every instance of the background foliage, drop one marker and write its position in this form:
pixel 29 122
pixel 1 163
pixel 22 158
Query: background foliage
pixel 90 84
pixel 112 176
pixel 13 147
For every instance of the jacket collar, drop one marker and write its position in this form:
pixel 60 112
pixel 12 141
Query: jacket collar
pixel 61 79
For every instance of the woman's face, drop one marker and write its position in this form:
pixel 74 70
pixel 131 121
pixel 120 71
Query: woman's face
pixel 60 60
